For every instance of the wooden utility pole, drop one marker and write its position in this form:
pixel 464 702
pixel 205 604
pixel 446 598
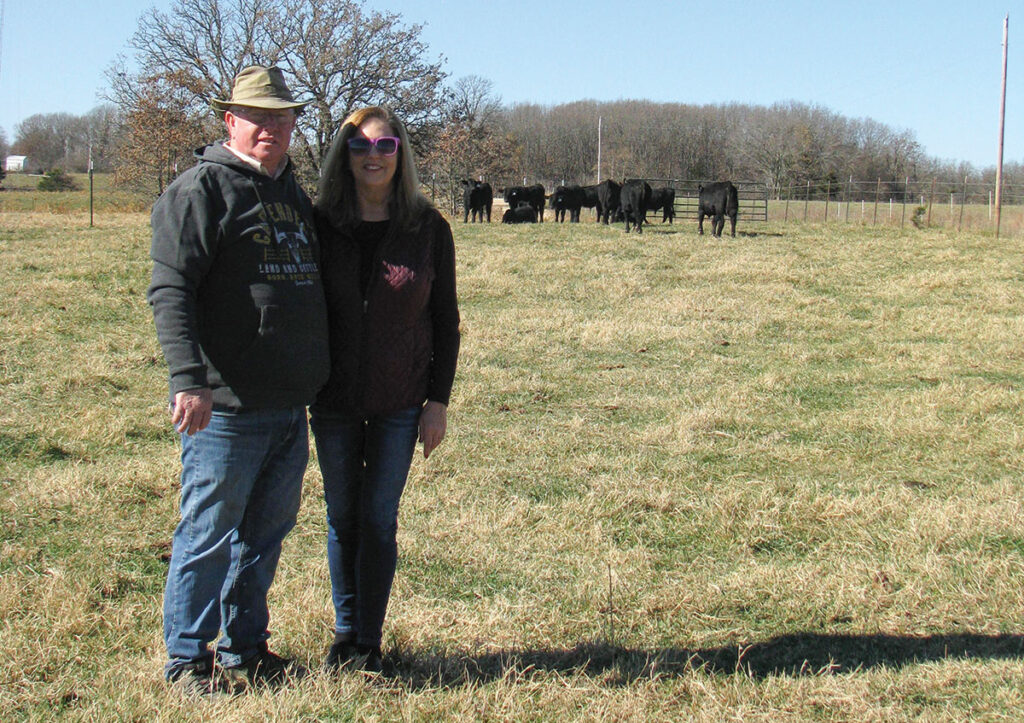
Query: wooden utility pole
pixel 1002 124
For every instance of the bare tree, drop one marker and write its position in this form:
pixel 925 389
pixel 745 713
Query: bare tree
pixel 49 139
pixel 472 103
pixel 101 125
pixel 343 58
pixel 335 55
pixel 472 142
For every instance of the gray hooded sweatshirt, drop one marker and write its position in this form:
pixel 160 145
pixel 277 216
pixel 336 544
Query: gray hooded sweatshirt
pixel 236 290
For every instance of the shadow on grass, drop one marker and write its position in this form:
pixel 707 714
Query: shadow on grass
pixel 797 654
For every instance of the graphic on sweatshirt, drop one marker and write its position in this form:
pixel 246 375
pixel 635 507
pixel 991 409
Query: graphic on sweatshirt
pixel 290 257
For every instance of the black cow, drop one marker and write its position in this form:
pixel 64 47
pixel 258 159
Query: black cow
pixel 608 194
pixel 633 203
pixel 533 195
pixel 478 198
pixel 717 200
pixel 567 198
pixel 523 213
pixel 665 199
pixel 590 198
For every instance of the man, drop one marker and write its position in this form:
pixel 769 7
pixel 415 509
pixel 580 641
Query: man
pixel 239 311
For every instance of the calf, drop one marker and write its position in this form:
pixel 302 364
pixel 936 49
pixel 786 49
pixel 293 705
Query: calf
pixel 477 198
pixel 533 195
pixel 608 195
pixel 717 200
pixel 523 213
pixel 633 202
pixel 665 199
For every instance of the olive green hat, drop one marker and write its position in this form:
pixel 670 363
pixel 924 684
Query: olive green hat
pixel 260 87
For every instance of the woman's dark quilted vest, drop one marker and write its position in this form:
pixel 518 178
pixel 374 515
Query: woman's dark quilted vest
pixel 381 345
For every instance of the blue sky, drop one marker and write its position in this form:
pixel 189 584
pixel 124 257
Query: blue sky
pixel 933 68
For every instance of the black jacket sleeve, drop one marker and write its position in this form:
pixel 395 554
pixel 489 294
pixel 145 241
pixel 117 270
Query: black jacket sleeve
pixel 444 312
pixel 186 228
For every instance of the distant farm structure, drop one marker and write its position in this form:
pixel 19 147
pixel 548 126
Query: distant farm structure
pixel 17 164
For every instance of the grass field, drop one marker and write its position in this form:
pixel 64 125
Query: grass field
pixel 776 477
pixel 19 194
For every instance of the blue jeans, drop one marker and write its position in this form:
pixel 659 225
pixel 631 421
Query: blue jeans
pixel 241 480
pixel 365 463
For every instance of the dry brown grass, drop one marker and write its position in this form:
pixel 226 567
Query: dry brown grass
pixel 767 478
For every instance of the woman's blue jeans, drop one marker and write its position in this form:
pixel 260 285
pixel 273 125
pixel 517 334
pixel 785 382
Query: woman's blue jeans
pixel 365 463
pixel 241 481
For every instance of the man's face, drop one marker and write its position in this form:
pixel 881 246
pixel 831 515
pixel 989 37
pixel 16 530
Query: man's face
pixel 261 133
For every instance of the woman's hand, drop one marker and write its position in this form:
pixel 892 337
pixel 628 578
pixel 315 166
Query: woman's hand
pixel 433 424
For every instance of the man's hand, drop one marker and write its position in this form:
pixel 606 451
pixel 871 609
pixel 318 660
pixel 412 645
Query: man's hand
pixel 192 410
pixel 433 424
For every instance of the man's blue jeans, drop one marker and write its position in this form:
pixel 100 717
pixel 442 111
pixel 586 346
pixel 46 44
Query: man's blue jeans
pixel 241 481
pixel 365 463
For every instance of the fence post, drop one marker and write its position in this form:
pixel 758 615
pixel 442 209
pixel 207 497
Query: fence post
pixel 906 189
pixel 807 200
pixel 963 202
pixel 878 190
pixel 849 190
pixel 789 194
pixel 931 194
pixel 828 192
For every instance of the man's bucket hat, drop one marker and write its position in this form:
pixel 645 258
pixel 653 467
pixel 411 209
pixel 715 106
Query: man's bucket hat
pixel 260 87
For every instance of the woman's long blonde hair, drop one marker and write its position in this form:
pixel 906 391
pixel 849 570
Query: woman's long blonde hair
pixel 337 192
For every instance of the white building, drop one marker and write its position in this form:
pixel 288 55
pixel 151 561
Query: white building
pixel 17 164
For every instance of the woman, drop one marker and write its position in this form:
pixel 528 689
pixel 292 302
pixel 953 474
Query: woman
pixel 389 277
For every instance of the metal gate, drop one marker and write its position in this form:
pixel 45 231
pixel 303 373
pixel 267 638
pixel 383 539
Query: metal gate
pixel 753 198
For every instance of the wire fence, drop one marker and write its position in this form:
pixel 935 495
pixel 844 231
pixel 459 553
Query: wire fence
pixel 960 206
pixel 964 206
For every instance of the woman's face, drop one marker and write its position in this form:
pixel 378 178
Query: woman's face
pixel 373 171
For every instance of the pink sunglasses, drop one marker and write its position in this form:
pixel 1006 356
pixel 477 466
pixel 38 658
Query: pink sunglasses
pixel 385 145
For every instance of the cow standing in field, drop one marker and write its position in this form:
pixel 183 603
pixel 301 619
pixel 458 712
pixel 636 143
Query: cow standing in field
pixel 717 200
pixel 533 195
pixel 633 204
pixel 665 199
pixel 567 198
pixel 477 198
pixel 523 213
pixel 608 195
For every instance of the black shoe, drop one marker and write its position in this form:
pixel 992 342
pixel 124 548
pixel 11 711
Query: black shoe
pixel 373 662
pixel 263 669
pixel 340 655
pixel 196 680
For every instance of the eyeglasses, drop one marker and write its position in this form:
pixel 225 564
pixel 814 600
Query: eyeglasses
pixel 263 118
pixel 385 145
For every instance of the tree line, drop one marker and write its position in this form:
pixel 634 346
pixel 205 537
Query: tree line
pixel 339 56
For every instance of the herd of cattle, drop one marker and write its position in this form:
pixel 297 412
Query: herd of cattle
pixel 628 202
